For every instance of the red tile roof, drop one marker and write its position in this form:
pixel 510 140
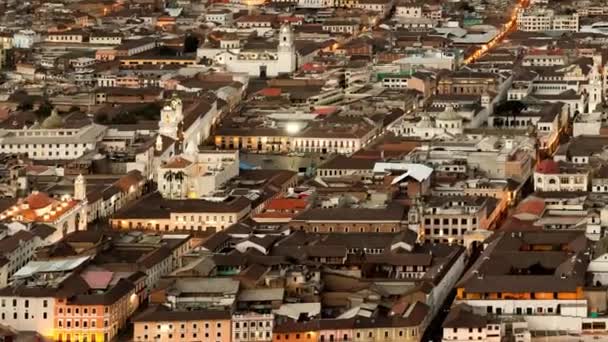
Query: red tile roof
pixel 177 163
pixel 270 92
pixel 533 206
pixel 287 204
pixel 547 166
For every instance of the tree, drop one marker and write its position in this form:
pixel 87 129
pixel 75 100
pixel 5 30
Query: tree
pixel 466 7
pixel 44 110
pixel 150 111
pixel 102 118
pixel 190 43
pixel 126 118
pixel 179 177
pixel 26 104
pixel 169 176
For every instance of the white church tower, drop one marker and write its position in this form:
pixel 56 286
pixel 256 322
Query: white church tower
pixel 80 188
pixel 170 117
pixel 287 50
pixel 595 84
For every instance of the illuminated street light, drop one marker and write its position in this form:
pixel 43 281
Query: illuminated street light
pixel 292 128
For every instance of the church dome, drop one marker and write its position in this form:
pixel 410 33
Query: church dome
pixel 53 121
pixel 38 200
pixel 448 114
pixel 425 122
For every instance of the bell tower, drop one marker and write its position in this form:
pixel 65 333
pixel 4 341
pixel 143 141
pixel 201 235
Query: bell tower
pixel 170 116
pixel 286 50
pixel 80 188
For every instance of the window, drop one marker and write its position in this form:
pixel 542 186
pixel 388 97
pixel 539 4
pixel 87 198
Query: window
pixel 45 303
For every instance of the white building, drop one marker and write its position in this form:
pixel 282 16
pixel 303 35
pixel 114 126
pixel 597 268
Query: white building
pixel 178 123
pixel 445 125
pixel 543 19
pixel 197 175
pixel 251 326
pixel 408 10
pixel 25 39
pixel 16 251
pixel 106 39
pixel 258 61
pixel 28 310
pixel 318 4
pixel 560 176
pixel 222 17
pixel 430 59
pixel 52 139
pixel 462 324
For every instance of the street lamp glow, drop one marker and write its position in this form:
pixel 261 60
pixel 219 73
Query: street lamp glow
pixel 292 128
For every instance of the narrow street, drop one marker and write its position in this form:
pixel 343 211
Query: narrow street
pixel 434 332
pixel 506 30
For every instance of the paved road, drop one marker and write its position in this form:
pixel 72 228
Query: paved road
pixel 434 332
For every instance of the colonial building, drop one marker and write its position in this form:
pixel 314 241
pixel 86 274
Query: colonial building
pixel 539 276
pixel 153 212
pixel 560 176
pixel 345 220
pixel 158 323
pixel 452 218
pixel 65 215
pixel 197 175
pixel 255 58
pixel 54 138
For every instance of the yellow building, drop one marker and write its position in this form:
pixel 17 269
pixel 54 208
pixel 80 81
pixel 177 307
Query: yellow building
pixel 159 324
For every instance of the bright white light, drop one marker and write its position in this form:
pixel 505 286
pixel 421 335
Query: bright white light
pixel 292 128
